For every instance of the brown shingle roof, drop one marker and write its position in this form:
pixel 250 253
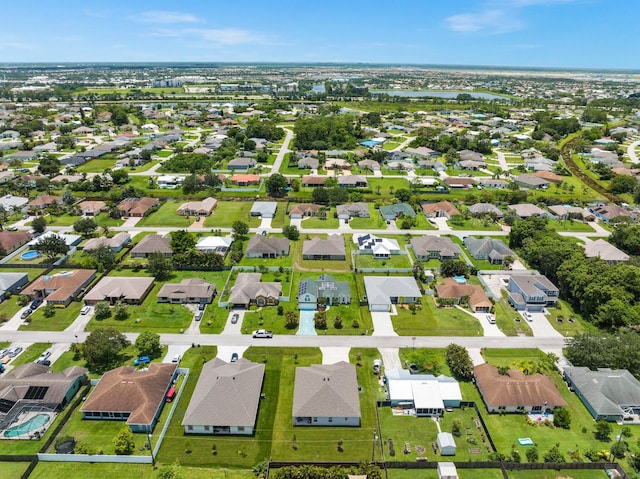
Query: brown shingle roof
pixel 137 205
pixel 61 285
pixel 11 240
pixel 127 390
pixel 452 289
pixel 516 389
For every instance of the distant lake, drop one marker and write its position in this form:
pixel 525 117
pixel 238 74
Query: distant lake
pixel 438 94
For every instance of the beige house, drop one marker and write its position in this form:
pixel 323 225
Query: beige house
pixel 127 289
pixel 198 208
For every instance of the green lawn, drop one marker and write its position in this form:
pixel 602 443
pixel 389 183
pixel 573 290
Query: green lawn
pixel 506 319
pixel 553 474
pixel 321 265
pixel 375 221
pixel 62 318
pixel 96 166
pixel 394 261
pixel 71 470
pixel 570 225
pixel 13 470
pixel 433 321
pixel 227 212
pixel 566 321
pixel 30 354
pixel 167 216
pixel 286 261
pixel 329 222
pixel 433 473
pixel 479 224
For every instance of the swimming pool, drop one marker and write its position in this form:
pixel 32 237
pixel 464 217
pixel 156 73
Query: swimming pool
pixel 27 255
pixel 36 422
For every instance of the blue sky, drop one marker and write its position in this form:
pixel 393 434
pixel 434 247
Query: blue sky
pixel 551 33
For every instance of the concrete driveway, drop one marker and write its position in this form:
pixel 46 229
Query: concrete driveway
pixel 334 355
pixel 130 222
pixel 441 224
pixel 491 330
pixel 541 326
pixel 174 349
pixel 231 328
pixel 16 321
pixel 265 223
pixel 225 352
pixel 382 325
pixel 390 358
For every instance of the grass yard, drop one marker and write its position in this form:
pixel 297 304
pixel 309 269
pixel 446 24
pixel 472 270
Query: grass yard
pixel 476 224
pixel 96 166
pixel 71 470
pixel 433 473
pixel 554 474
pixel 394 261
pixel 227 212
pixel 321 265
pixel 62 318
pixel 433 321
pixel 149 316
pixel 570 225
pixel 560 317
pixel 30 354
pixel 13 470
pixel 286 261
pixel 505 319
pixel 329 222
pixel 167 215
pixel 375 221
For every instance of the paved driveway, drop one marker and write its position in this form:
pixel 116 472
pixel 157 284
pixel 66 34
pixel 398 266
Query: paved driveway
pixel 265 223
pixel 490 330
pixel 382 325
pixel 541 326
pixel 225 352
pixel 175 349
pixel 390 358
pixel 334 355
pixel 231 328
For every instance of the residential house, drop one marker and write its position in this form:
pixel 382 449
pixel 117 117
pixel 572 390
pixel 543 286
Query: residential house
pixel 488 249
pixel 485 209
pixel 336 163
pixel 12 240
pixel 152 244
pixel 12 283
pixel 383 291
pixel 381 248
pixel 115 243
pixel 69 239
pixel 201 208
pixel 324 291
pixel 92 208
pixel 434 247
pixel 352 181
pixel 214 244
pixel 352 210
pixel 170 182
pixel 551 177
pixel 42 202
pixel 425 394
pixel 134 396
pixel 33 387
pixel 313 181
pixel 515 391
pixel 303 210
pixel 369 164
pixel 459 182
pixel 531 292
pixel 187 291
pixel 264 209
pixel 308 163
pixel 476 297
pixel 241 163
pixel 246 179
pixel 609 213
pixel 421 152
pixel 249 289
pixel 226 398
pixel 260 246
pixel 441 209
pixel 526 210
pixel 392 212
pixel 136 207
pixel 330 249
pixel 605 251
pixel 113 289
pixel 12 202
pixel 531 181
pixel 470 160
pixel 493 183
pixel 565 212
pixel 326 395
pixel 435 165
pixel 60 288
pixel 608 394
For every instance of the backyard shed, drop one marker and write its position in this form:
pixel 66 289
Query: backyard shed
pixel 446 444
pixel 447 470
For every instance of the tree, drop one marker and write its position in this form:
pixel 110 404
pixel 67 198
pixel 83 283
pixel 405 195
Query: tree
pixel 171 471
pixel 562 418
pixel 532 454
pixel 602 431
pixel 456 427
pixel 320 320
pixel 52 247
pixel 239 230
pixel 148 344
pixel 104 256
pixel 291 319
pixel 320 195
pixel 459 361
pixel 554 455
pixel 191 184
pixel 276 185
pixel 622 184
pixel 119 177
pixel 123 442
pixel 121 311
pixel 182 241
pixel 619 449
pixel 85 226
pixel 49 165
pixel 39 224
pixel 454 267
pixel 4 216
pixel 102 348
pixel 291 232
pixel 102 310
pixel 159 266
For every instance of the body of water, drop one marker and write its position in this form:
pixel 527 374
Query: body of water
pixel 438 94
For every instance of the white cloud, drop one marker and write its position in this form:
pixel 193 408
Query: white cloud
pixel 492 21
pixel 161 16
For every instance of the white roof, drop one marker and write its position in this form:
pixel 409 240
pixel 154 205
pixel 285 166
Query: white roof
pixel 423 389
pixel 425 395
pixel 69 239
pixel 212 242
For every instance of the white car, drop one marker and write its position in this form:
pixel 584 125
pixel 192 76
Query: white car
pixel 176 358
pixel 85 310
pixel 262 333
pixel 43 356
pixel 491 319
pixel 527 316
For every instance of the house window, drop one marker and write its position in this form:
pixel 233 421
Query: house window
pixel 240 428
pixel 206 428
pixel 307 298
pixel 315 419
pixel 189 428
pixel 330 419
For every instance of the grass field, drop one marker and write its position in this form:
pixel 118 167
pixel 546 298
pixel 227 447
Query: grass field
pixel 317 222
pixel 434 321
pixel 62 318
pixel 13 470
pixel 227 212
pixel 167 216
pixel 96 166
pixel 477 224
pixel 71 470
pixel 505 319
pixel 433 473
pixel 394 261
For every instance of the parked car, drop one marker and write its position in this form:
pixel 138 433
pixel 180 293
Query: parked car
pixel 377 366
pixel 35 303
pixel 491 319
pixel 44 362
pixel 26 313
pixel 262 333
pixel 234 318
pixel 527 316
pixel 201 306
pixel 176 358
pixel 142 360
pixel 85 310
pixel 12 228
pixel 413 369
pixel 13 352
pixel 198 316
pixel 43 356
pixel 234 357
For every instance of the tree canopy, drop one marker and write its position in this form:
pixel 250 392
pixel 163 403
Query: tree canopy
pixel 102 349
pixel 52 246
pixel 326 132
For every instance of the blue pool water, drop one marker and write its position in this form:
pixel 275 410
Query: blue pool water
pixel 30 255
pixel 460 279
pixel 306 324
pixel 33 424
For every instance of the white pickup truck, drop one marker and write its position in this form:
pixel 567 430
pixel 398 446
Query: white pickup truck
pixel 262 333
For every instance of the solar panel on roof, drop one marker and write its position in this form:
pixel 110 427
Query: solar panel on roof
pixel 36 392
